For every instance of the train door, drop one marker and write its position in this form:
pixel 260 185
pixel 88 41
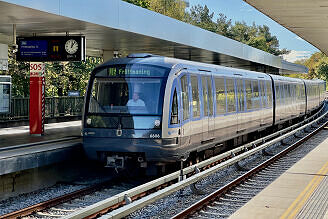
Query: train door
pixel 263 102
pixel 205 108
pixel 185 109
pixel 175 114
pixel 208 108
pixel 211 117
pixel 241 126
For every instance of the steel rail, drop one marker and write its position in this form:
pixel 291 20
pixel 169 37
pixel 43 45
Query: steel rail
pixel 50 203
pixel 58 200
pixel 218 162
pixel 216 195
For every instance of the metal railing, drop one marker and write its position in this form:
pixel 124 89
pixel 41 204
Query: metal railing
pixel 54 107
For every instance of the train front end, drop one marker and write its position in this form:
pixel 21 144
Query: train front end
pixel 122 120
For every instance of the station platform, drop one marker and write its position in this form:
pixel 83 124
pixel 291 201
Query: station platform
pixel 21 151
pixel 21 135
pixel 301 192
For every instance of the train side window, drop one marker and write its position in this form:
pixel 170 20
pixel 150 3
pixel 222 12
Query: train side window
pixel 185 96
pixel 220 96
pixel 231 99
pixel 205 96
pixel 195 97
pixel 248 87
pixel 281 93
pixel 210 95
pixel 263 94
pixel 284 88
pixel 240 89
pixel 174 109
pixel 269 93
pixel 255 95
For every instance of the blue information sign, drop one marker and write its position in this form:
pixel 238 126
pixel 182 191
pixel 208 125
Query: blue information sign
pixel 33 48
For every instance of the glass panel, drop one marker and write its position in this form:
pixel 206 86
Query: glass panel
pixel 210 95
pixel 126 95
pixel 185 97
pixel 195 97
pixel 248 87
pixel 269 93
pixel 174 108
pixel 263 95
pixel 4 98
pixel 231 101
pixel 256 95
pixel 220 96
pixel 205 96
pixel 241 101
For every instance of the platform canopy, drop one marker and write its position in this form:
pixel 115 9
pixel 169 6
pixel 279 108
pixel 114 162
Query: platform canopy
pixel 114 25
pixel 306 18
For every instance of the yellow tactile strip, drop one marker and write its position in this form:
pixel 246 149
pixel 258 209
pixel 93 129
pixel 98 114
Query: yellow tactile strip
pixel 300 201
pixel 317 205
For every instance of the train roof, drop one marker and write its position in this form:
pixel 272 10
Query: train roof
pixel 150 59
pixel 167 62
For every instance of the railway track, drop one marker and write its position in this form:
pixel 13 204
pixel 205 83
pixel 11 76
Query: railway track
pixel 122 201
pixel 226 200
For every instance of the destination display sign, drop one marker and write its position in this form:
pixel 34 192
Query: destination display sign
pixel 51 48
pixel 135 70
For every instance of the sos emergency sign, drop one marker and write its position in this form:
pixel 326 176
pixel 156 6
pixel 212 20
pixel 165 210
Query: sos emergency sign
pixel 37 98
pixel 37 69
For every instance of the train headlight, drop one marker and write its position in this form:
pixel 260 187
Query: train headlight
pixel 157 123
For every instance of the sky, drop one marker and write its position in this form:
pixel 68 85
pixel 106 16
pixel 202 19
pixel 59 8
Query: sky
pixel 238 10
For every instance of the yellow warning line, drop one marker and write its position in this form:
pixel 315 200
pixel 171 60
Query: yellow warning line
pixel 295 207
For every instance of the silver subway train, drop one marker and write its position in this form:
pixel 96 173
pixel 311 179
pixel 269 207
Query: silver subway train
pixel 148 108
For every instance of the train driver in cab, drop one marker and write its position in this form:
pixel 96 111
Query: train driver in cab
pixel 136 101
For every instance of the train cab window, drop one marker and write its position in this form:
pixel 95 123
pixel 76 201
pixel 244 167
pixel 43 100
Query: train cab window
pixel 220 96
pixel 185 96
pixel 205 96
pixel 174 109
pixel 126 96
pixel 248 87
pixel 195 97
pixel 231 99
pixel 269 93
pixel 210 95
pixel 255 95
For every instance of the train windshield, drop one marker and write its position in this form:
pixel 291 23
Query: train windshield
pixel 130 89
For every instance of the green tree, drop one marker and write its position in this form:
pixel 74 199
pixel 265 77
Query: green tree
pixel 172 8
pixel 200 16
pixel 253 35
pixel 141 3
pixel 323 70
pixel 19 72
pixel 62 77
pixel 223 26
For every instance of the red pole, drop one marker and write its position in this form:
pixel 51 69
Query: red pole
pixel 37 100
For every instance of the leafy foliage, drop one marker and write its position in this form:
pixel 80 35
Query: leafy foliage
pixel 141 3
pixel 62 77
pixel 317 65
pixel 19 72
